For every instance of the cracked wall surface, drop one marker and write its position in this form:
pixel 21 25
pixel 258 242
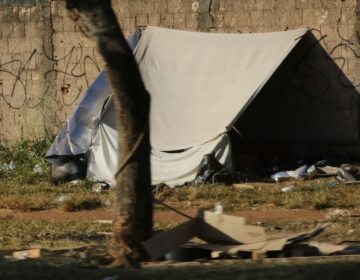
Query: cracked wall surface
pixel 47 64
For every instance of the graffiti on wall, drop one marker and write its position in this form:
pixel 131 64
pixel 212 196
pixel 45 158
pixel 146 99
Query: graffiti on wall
pixel 17 78
pixel 324 64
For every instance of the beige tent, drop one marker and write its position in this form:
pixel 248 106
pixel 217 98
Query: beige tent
pixel 199 83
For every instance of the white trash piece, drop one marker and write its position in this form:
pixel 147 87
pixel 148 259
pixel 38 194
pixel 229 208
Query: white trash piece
pixel 218 209
pixel 288 189
pixel 38 169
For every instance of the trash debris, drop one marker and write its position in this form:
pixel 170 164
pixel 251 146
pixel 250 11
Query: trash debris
pixel 212 171
pixel 281 176
pixel 218 209
pixel 103 221
pixel 337 214
pixel 345 176
pixel 100 186
pixel 76 182
pixel 299 173
pixel 106 202
pixel 243 186
pixel 329 170
pixel 104 233
pixel 289 189
pixel 11 165
pixel 7 167
pixel 38 169
pixel 346 173
pixel 67 168
pixel 27 254
pixel 63 198
pixel 224 234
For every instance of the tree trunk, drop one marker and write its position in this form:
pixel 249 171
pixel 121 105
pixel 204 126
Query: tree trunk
pixel 132 222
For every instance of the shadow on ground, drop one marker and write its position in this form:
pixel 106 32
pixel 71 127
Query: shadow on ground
pixel 329 268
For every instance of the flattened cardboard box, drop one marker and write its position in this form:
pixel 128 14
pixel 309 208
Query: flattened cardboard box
pixel 210 227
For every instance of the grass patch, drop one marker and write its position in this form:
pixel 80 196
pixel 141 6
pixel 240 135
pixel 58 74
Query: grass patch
pixel 24 190
pixel 267 196
pixel 19 234
pixel 44 196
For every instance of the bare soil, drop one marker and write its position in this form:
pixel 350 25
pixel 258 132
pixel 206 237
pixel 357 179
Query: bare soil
pixel 169 217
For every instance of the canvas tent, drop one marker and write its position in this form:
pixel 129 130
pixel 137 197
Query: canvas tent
pixel 200 83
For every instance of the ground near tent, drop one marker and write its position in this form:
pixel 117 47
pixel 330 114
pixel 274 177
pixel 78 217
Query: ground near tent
pixel 69 222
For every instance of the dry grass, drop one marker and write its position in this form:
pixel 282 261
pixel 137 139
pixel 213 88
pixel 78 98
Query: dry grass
pixel 27 196
pixel 24 190
pixel 316 194
pixel 18 234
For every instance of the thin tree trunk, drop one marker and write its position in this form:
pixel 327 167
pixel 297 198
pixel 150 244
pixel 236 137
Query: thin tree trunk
pixel 133 200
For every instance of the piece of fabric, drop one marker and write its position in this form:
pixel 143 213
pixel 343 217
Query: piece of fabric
pixel 172 169
pixel 201 82
pixel 76 135
pixel 179 168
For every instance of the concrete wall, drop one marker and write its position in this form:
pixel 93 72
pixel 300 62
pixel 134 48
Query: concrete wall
pixel 46 63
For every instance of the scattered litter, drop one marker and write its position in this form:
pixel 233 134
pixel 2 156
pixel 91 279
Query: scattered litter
pixel 106 202
pixel 103 221
pixel 11 166
pixel 345 176
pixel 104 233
pixel 218 209
pixel 27 254
pixel 38 169
pixel 346 173
pixel 63 198
pixel 7 167
pixel 75 182
pixel 100 186
pixel 67 169
pixel 350 168
pixel 299 173
pixel 243 186
pixel 225 235
pixel 329 170
pixel 280 176
pixel 289 189
pixel 338 213
pixel 211 171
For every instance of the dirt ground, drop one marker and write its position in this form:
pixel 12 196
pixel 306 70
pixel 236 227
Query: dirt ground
pixel 166 217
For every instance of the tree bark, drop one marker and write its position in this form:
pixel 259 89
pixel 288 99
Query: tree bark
pixel 132 222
